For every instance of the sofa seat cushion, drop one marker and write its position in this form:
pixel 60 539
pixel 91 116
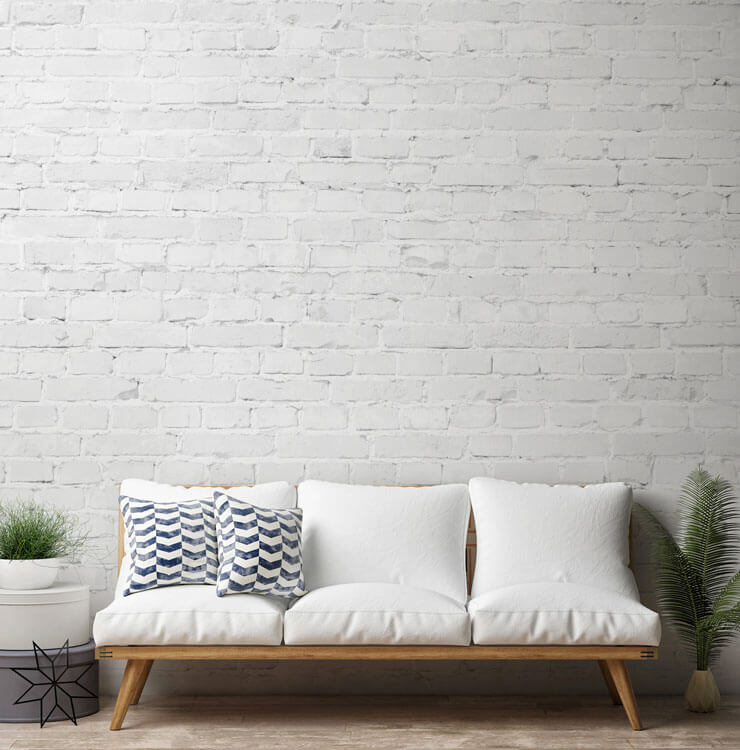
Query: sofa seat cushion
pixel 561 614
pixel 190 615
pixel 378 614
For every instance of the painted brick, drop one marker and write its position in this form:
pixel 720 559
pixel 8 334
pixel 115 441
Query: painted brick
pixel 378 242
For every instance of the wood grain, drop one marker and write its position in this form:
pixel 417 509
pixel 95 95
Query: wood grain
pixel 132 684
pixel 392 722
pixel 620 677
pixel 610 686
pixel 145 669
pixel 377 653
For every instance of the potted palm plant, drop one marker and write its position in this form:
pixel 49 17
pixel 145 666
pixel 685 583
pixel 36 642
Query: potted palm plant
pixel 697 578
pixel 34 539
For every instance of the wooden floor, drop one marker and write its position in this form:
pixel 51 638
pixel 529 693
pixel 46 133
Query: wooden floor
pixel 308 723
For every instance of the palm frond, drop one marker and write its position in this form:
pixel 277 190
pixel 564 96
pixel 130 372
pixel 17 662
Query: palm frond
pixel 714 632
pixel 681 593
pixel 729 595
pixel 728 619
pixel 697 578
pixel 710 528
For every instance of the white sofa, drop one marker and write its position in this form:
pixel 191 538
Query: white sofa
pixel 385 576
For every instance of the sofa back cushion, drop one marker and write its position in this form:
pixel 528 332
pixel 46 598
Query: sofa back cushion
pixel 535 533
pixel 362 534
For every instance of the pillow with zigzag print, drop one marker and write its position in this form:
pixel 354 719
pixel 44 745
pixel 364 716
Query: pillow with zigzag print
pixel 171 543
pixel 259 549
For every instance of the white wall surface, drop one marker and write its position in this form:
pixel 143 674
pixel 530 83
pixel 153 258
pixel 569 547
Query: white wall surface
pixel 371 241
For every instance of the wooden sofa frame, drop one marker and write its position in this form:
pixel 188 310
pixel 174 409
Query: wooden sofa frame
pixel 139 659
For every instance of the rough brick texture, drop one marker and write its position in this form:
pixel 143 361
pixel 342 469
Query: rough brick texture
pixel 407 241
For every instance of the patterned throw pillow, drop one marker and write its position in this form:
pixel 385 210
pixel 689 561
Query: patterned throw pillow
pixel 170 543
pixel 259 549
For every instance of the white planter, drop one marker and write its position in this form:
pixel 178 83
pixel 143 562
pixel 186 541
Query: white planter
pixel 47 616
pixel 22 575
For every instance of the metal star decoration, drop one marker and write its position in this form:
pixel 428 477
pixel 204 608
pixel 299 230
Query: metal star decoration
pixel 54 680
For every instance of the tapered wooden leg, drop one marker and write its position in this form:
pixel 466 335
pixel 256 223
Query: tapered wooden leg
pixel 142 680
pixel 134 677
pixel 610 686
pixel 618 671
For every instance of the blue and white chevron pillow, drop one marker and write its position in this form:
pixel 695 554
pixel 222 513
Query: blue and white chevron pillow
pixel 259 549
pixel 170 543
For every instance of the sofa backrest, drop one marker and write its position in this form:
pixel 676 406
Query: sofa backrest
pixel 535 533
pixel 470 540
pixel 409 535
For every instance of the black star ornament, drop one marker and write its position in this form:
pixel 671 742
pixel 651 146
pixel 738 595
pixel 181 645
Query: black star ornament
pixel 54 684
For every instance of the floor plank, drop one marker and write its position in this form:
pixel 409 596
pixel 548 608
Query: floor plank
pixel 386 723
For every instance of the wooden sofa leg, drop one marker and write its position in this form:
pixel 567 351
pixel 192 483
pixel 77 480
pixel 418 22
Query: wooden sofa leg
pixel 142 680
pixel 610 686
pixel 134 677
pixel 618 671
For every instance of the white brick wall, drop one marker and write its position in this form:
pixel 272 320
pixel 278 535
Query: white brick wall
pixel 405 241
